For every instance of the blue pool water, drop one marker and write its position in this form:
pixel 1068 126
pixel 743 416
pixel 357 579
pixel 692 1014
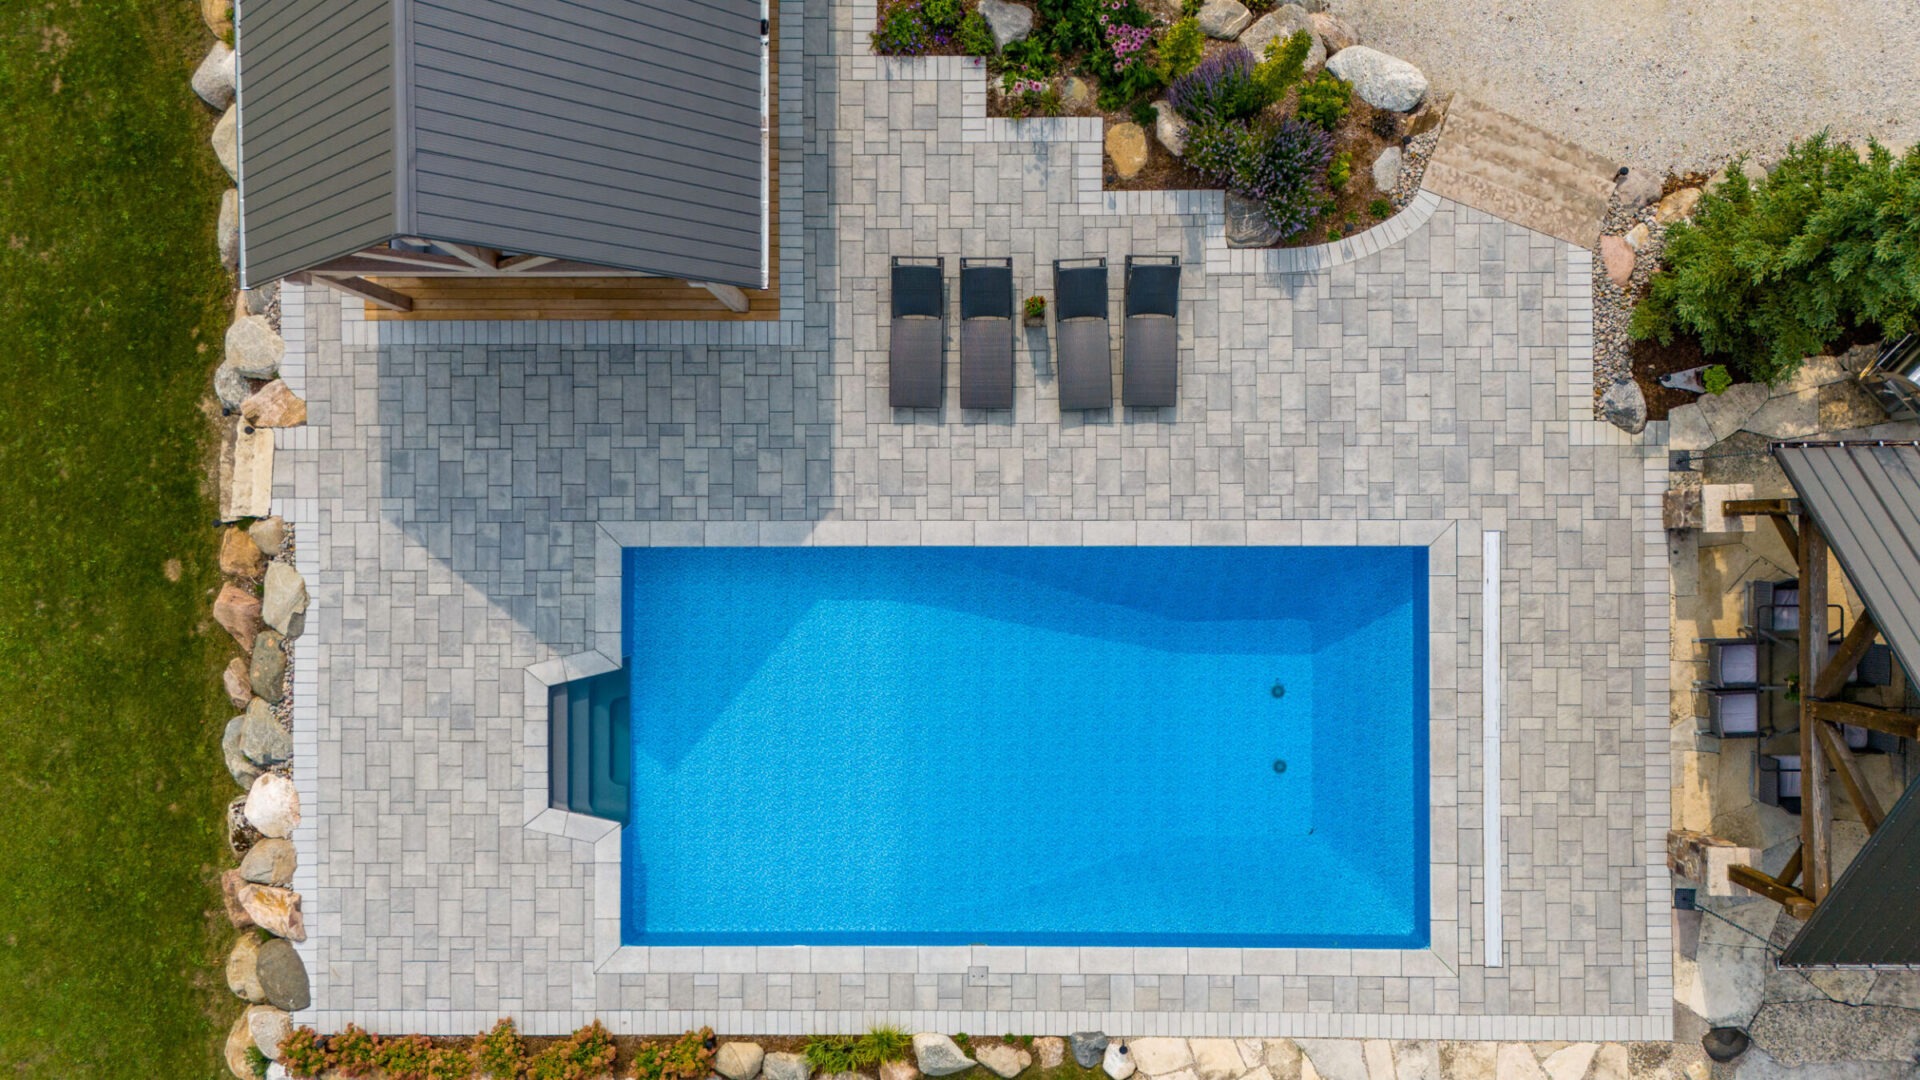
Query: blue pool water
pixel 1046 746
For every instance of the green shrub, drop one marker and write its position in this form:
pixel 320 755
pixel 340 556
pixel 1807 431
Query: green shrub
pixel 1222 88
pixel 1717 379
pixel 1380 208
pixel 1180 49
pixel 685 1058
pixel 587 1054
pixel 304 1053
pixel 447 1063
pixel 1029 57
pixel 1281 67
pixel 1340 171
pixel 831 1053
pixel 1769 273
pixel 257 1061
pixel 883 1044
pixel 943 14
pixel 1072 26
pixel 353 1051
pixel 1326 99
pixel 975 37
pixel 405 1057
pixel 500 1052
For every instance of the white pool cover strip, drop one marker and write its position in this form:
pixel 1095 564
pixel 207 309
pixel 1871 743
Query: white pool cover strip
pixel 1490 741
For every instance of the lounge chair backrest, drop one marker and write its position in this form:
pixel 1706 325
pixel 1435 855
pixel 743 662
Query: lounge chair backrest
pixel 1079 292
pixel 1153 288
pixel 919 288
pixel 986 289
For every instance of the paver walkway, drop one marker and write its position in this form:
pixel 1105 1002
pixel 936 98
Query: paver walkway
pixel 452 483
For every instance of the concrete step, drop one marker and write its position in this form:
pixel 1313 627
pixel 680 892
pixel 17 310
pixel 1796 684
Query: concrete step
pixel 1516 171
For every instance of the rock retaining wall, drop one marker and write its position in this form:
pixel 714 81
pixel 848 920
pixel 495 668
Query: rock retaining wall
pixel 263 605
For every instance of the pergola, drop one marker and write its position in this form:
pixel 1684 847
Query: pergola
pixel 1861 502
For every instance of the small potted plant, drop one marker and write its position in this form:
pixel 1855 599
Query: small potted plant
pixel 1035 310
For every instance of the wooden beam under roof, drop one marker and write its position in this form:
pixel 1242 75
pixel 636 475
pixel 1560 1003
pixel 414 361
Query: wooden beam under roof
pixel 1903 725
pixel 1816 812
pixel 1772 888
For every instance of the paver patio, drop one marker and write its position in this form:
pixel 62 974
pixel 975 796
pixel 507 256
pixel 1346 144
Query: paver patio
pixel 453 485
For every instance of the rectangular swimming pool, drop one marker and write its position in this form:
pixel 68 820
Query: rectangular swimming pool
pixel 1202 746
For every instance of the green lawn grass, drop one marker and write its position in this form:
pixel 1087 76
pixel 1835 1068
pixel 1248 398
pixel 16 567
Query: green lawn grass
pixel 112 303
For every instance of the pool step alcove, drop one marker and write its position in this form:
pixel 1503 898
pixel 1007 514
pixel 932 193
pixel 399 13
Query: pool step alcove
pixel 590 745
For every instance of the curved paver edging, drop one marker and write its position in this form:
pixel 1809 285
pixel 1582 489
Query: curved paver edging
pixel 1083 137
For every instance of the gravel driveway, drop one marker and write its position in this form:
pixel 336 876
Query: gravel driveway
pixel 1680 84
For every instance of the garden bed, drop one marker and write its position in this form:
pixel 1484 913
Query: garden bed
pixel 1245 105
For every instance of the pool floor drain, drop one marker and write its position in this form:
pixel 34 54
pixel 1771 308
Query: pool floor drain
pixel 1279 765
pixel 1279 690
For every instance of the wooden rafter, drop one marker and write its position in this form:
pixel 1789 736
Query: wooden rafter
pixel 1839 669
pixel 1751 507
pixel 1903 725
pixel 1797 904
pixel 1816 814
pixel 1859 792
pixel 730 297
pixel 479 258
pixel 520 264
pixel 366 290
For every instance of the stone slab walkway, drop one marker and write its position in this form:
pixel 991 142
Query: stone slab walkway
pixel 1519 173
pixel 457 480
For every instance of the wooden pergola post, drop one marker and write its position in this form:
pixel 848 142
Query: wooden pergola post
pixel 1816 811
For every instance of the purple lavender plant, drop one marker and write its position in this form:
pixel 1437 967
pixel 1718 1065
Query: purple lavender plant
pixel 1221 88
pixel 1285 169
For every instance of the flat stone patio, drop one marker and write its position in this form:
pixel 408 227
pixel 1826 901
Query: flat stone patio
pixel 458 484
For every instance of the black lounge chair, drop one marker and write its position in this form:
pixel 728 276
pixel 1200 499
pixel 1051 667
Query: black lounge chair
pixel 916 353
pixel 986 333
pixel 1085 344
pixel 1151 376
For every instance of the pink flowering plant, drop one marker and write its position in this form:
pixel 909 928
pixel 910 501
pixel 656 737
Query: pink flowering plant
pixel 1027 96
pixel 1125 60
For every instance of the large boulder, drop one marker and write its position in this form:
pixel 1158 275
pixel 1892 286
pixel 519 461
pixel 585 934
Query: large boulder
pixel 1677 206
pixel 242 977
pixel 1278 25
pixel 284 598
pixel 1050 1051
pixel 262 739
pixel 274 405
pixel 238 612
pixel 1386 169
pixel 1127 149
pixel 937 1055
pixel 784 1066
pixel 1158 1057
pixel 219 17
pixel 738 1060
pixel 1088 1047
pixel 244 771
pixel 1170 128
pixel 226 141
pixel 240 557
pixel 271 862
pixel 1010 22
pixel 1005 1062
pixel 1637 189
pixel 269 1027
pixel 227 229
pixel 282 975
pixel 230 387
pixel 1116 1062
pixel 1247 223
pixel 1625 406
pixel 269 534
pixel 275 910
pixel 1333 31
pixel 245 471
pixel 273 806
pixel 239 1041
pixel 268 672
pixel 1616 255
pixel 213 79
pixel 1382 81
pixel 1224 19
pixel 234 681
pixel 253 348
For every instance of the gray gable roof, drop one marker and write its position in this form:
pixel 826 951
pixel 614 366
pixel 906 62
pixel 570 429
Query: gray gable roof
pixel 1865 499
pixel 624 133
